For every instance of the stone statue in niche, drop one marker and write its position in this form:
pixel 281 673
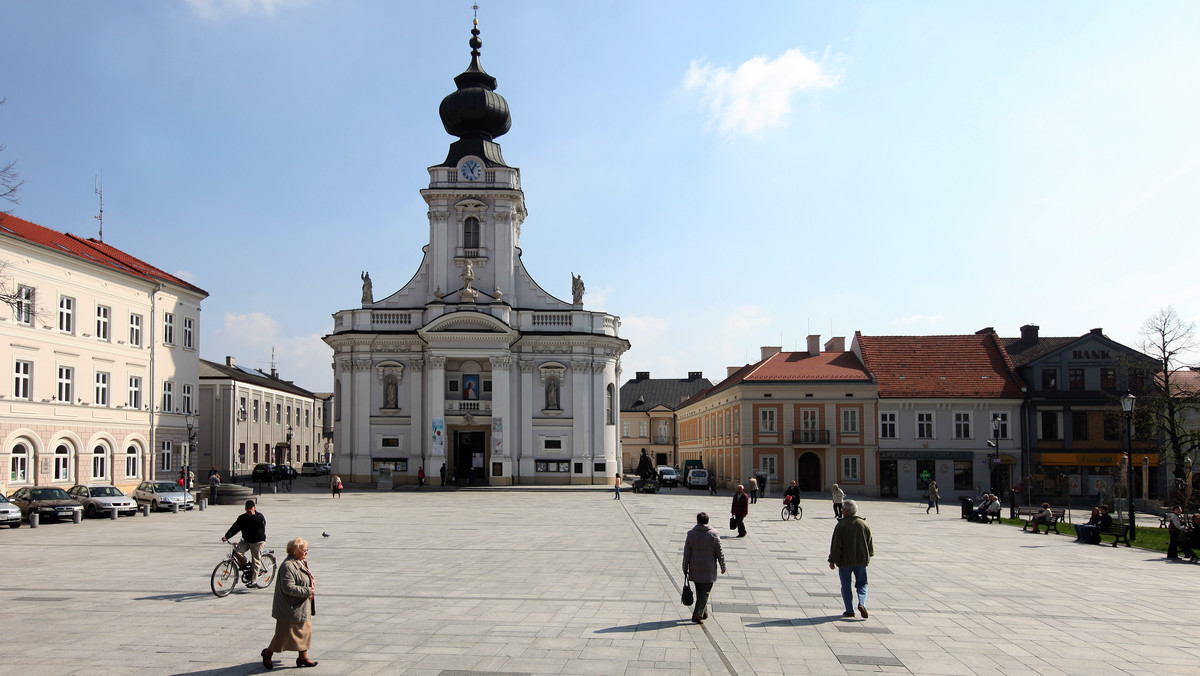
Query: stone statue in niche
pixel 368 295
pixel 389 393
pixel 576 289
pixel 552 394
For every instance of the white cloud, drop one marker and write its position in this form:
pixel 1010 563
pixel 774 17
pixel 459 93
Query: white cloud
pixel 913 320
pixel 254 339
pixel 186 276
pixel 759 93
pixel 215 9
pixel 744 321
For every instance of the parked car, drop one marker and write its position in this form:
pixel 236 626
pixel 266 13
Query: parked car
pixel 10 514
pixel 263 471
pixel 323 468
pixel 309 469
pixel 48 502
pixel 697 478
pixel 667 476
pixel 163 494
pixel 98 499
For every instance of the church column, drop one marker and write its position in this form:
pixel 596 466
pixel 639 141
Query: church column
pixel 435 401
pixel 583 415
pixel 523 454
pixel 360 401
pixel 502 420
pixel 418 437
pixel 600 432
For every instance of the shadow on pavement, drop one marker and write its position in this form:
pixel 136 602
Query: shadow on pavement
pixel 644 626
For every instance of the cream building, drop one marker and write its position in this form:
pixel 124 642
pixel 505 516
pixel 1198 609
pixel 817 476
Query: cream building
pixel 249 417
pixel 472 364
pixel 102 349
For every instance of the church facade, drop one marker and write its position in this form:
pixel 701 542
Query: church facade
pixel 472 367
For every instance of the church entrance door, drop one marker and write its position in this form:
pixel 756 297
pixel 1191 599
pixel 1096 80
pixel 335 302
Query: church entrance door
pixel 470 458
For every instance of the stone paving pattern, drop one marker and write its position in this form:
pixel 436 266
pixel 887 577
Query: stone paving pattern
pixel 569 581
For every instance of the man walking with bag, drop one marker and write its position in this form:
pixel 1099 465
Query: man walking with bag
pixel 701 555
pixel 741 508
pixel 849 553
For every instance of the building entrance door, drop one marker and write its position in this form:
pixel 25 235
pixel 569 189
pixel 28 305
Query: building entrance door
pixel 808 472
pixel 889 479
pixel 470 458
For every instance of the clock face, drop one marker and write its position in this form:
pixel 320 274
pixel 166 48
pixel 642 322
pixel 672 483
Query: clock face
pixel 471 170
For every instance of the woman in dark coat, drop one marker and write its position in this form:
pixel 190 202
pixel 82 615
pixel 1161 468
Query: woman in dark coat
pixel 293 606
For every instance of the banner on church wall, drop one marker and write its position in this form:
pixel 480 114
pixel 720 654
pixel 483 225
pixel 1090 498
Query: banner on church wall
pixel 497 436
pixel 439 437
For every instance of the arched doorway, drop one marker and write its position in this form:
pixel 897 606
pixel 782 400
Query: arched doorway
pixel 808 472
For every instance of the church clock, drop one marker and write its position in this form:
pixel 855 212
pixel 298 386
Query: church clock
pixel 471 170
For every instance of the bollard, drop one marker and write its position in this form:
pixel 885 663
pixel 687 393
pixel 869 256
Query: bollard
pixel 77 516
pixel 112 513
pixel 33 519
pixel 274 488
pixel 174 507
pixel 203 504
pixel 145 510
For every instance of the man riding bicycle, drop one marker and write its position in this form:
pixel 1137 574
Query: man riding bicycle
pixel 253 527
pixel 793 492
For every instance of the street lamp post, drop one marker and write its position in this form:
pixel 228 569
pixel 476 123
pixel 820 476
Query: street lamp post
pixel 994 456
pixel 190 419
pixel 1127 403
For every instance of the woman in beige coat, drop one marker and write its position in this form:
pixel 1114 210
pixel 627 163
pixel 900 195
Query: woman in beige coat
pixel 293 606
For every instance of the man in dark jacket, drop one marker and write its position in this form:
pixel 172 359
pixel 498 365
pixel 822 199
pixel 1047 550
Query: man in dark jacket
pixel 741 507
pixel 253 527
pixel 701 555
pixel 850 552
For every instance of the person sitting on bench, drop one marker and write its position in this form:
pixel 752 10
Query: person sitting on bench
pixel 1089 533
pixel 1044 517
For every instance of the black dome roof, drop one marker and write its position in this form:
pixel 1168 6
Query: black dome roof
pixel 475 112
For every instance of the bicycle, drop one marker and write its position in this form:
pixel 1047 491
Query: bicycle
pixel 786 513
pixel 236 565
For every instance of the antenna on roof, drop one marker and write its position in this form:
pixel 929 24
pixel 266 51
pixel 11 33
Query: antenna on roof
pixel 100 192
pixel 273 372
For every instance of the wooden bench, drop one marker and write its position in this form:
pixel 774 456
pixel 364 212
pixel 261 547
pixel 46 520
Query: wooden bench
pixel 1027 513
pixel 1119 530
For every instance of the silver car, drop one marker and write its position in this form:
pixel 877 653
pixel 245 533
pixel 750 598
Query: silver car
pixel 10 514
pixel 98 499
pixel 163 494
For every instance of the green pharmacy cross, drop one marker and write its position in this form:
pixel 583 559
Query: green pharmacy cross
pixel 925 475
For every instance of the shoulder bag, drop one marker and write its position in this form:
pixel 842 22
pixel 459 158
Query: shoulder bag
pixel 686 597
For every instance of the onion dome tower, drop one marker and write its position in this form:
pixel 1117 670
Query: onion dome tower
pixel 475 113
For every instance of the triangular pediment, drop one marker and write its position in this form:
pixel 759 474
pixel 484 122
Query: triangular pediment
pixel 467 324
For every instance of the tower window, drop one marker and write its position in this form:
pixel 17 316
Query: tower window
pixel 471 233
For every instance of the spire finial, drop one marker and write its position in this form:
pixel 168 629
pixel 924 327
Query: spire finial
pixel 475 42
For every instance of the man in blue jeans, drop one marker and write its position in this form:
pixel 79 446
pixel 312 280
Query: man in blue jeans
pixel 850 552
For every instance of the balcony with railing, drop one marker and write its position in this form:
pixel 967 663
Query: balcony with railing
pixel 811 437
pixel 473 406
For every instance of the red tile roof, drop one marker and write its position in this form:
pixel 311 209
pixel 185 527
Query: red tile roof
pixel 800 366
pixel 972 366
pixel 88 250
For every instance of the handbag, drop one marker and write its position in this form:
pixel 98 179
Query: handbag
pixel 686 597
pixel 733 523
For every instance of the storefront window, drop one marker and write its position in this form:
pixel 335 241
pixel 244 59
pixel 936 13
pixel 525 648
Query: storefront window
pixel 963 476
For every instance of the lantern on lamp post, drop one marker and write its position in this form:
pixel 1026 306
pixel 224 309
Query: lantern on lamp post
pixel 1127 404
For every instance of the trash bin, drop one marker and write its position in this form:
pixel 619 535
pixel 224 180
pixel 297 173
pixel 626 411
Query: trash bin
pixel 967 507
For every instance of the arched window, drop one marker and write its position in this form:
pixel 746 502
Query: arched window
pixel 133 462
pixel 609 401
pixel 471 233
pixel 19 465
pixel 100 462
pixel 62 463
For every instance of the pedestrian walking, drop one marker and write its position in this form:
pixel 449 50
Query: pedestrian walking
pixel 335 485
pixel 741 508
pixel 701 555
pixel 293 606
pixel 838 497
pixel 420 477
pixel 753 490
pixel 932 494
pixel 442 471
pixel 617 487
pixel 214 480
pixel 253 527
pixel 850 552
pixel 712 483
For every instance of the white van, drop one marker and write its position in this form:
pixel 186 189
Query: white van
pixel 697 478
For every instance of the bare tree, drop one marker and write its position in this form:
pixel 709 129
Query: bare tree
pixel 1172 341
pixel 10 180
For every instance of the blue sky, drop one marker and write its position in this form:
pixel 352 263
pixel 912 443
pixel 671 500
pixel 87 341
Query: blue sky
pixel 723 175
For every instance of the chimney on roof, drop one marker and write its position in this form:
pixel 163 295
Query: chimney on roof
pixel 1029 333
pixel 769 351
pixel 230 361
pixel 643 375
pixel 1097 332
pixel 987 330
pixel 695 375
pixel 836 344
pixel 730 370
pixel 274 373
pixel 814 345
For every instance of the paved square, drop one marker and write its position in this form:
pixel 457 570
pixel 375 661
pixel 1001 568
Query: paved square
pixel 540 581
